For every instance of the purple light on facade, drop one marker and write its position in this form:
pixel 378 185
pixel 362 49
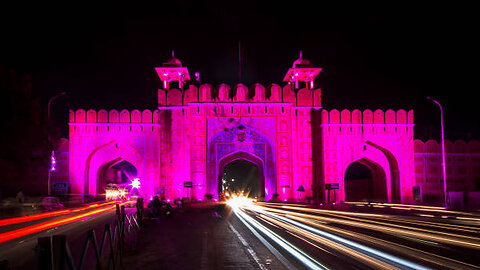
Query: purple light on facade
pixel 275 133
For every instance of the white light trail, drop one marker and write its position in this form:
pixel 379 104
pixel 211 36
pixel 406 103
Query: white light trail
pixel 357 246
pixel 294 251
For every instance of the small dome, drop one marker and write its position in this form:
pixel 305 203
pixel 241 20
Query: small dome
pixel 302 62
pixel 173 62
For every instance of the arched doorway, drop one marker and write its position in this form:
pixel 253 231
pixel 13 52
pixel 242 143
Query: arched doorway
pixel 106 156
pixel 365 180
pixel 250 172
pixel 394 172
pixel 242 177
pixel 240 141
pixel 117 171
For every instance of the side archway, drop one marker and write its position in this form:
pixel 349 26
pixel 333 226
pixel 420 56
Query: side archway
pixel 108 155
pixel 245 156
pixel 239 140
pixel 394 172
pixel 380 157
pixel 365 180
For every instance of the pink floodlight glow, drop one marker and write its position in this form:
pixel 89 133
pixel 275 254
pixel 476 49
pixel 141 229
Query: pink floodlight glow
pixel 204 129
pixel 135 183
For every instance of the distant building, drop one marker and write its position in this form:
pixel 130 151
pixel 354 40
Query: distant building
pixel 463 169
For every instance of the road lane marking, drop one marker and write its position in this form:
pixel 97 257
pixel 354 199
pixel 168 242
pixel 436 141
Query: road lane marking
pixel 204 259
pixel 247 246
pixel 308 261
pixel 269 246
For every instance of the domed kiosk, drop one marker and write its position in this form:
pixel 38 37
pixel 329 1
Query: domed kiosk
pixel 302 70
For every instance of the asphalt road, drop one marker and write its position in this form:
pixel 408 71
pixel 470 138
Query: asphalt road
pixel 22 252
pixel 280 236
pixel 274 236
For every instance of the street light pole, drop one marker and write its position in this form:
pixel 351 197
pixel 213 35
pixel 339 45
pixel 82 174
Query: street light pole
pixel 50 102
pixel 48 137
pixel 443 151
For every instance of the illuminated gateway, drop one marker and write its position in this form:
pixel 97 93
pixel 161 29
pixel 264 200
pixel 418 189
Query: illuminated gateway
pixel 181 148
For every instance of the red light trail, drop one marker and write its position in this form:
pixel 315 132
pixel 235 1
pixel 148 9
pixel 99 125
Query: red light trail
pixel 49 224
pixel 16 220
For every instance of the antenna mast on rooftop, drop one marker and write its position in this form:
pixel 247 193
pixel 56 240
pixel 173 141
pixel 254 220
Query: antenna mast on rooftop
pixel 239 63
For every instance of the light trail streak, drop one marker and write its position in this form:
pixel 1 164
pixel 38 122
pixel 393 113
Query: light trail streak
pixel 405 250
pixel 11 221
pixel 351 244
pixel 414 207
pixel 342 214
pixel 294 251
pixel 372 262
pixel 50 224
pixel 305 223
pixel 454 239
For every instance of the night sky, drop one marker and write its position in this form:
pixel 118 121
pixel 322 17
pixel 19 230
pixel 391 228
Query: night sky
pixel 388 59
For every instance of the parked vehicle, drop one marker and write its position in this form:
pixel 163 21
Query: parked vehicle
pixel 51 203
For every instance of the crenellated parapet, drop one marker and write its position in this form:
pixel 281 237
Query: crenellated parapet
pixel 453 147
pixel 240 93
pixel 367 121
pixel 103 121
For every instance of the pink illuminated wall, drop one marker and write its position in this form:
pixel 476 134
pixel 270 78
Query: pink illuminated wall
pixel 107 138
pixel 195 141
pixel 196 131
pixel 177 143
pixel 386 138
pixel 462 161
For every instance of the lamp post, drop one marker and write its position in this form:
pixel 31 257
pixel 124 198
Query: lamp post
pixel 443 151
pixel 50 102
pixel 48 137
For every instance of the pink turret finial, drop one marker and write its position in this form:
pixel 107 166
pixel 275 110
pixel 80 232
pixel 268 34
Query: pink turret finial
pixel 173 53
pixel 301 54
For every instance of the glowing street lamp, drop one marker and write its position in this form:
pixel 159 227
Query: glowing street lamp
pixel 135 183
pixel 443 151
pixel 53 161
pixel 52 168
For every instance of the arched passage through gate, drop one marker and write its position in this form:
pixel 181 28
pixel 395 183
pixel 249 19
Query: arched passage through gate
pixel 118 171
pixel 106 156
pixel 249 161
pixel 365 180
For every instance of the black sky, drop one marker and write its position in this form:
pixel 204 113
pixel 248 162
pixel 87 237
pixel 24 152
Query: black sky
pixel 388 59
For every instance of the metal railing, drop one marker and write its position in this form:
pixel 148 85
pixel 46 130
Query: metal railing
pixel 54 252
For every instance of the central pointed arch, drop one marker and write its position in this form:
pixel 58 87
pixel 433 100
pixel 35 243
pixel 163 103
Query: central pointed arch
pixel 109 154
pixel 245 156
pixel 365 180
pixel 240 141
